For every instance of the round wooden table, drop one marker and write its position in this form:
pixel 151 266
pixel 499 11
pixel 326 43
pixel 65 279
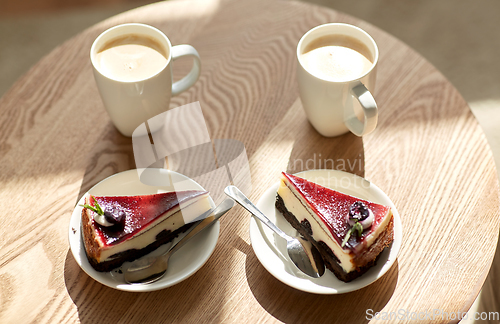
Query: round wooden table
pixel 428 154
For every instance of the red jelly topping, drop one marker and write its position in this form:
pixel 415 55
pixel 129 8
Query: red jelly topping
pixel 333 207
pixel 140 211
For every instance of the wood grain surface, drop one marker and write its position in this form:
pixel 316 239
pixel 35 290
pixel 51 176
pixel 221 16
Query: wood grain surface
pixel 428 154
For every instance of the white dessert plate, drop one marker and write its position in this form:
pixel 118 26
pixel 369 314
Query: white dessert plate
pixel 182 264
pixel 271 249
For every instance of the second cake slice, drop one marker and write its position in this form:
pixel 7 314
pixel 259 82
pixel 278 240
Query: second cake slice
pixel 349 232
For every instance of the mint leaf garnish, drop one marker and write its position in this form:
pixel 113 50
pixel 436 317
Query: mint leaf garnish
pixel 356 227
pixel 346 238
pixel 359 227
pixel 95 208
pixel 100 212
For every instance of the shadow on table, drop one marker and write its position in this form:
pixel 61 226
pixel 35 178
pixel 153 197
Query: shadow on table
pixel 94 301
pixel 312 151
pixel 113 153
pixel 97 303
pixel 293 306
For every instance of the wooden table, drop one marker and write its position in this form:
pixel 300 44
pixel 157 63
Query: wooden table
pixel 428 154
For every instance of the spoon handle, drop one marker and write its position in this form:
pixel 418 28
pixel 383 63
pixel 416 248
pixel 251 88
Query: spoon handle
pixel 241 199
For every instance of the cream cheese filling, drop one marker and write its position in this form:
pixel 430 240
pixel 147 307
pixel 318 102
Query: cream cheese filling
pixel 198 206
pixel 320 231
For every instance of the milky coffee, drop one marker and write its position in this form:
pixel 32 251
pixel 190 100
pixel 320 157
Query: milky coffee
pixel 131 58
pixel 337 57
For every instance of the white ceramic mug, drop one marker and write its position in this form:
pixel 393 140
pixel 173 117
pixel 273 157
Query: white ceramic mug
pixel 333 107
pixel 131 103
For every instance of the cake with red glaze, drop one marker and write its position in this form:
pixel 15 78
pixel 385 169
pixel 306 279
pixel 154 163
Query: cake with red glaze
pixel 117 229
pixel 349 232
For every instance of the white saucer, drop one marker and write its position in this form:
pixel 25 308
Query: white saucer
pixel 271 249
pixel 181 265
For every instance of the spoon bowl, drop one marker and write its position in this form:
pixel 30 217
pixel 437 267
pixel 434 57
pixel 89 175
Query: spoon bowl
pixel 301 252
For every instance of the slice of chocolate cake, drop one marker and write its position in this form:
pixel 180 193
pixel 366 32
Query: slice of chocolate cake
pixel 123 228
pixel 349 232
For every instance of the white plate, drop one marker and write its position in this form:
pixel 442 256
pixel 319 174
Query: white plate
pixel 271 249
pixel 182 264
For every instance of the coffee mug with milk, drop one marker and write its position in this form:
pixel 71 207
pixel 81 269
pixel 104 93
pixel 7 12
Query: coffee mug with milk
pixel 336 74
pixel 132 66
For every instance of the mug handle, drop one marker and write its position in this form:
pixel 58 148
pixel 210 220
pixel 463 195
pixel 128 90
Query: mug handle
pixel 186 82
pixel 370 112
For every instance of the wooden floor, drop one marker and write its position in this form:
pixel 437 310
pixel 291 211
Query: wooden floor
pixel 23 7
